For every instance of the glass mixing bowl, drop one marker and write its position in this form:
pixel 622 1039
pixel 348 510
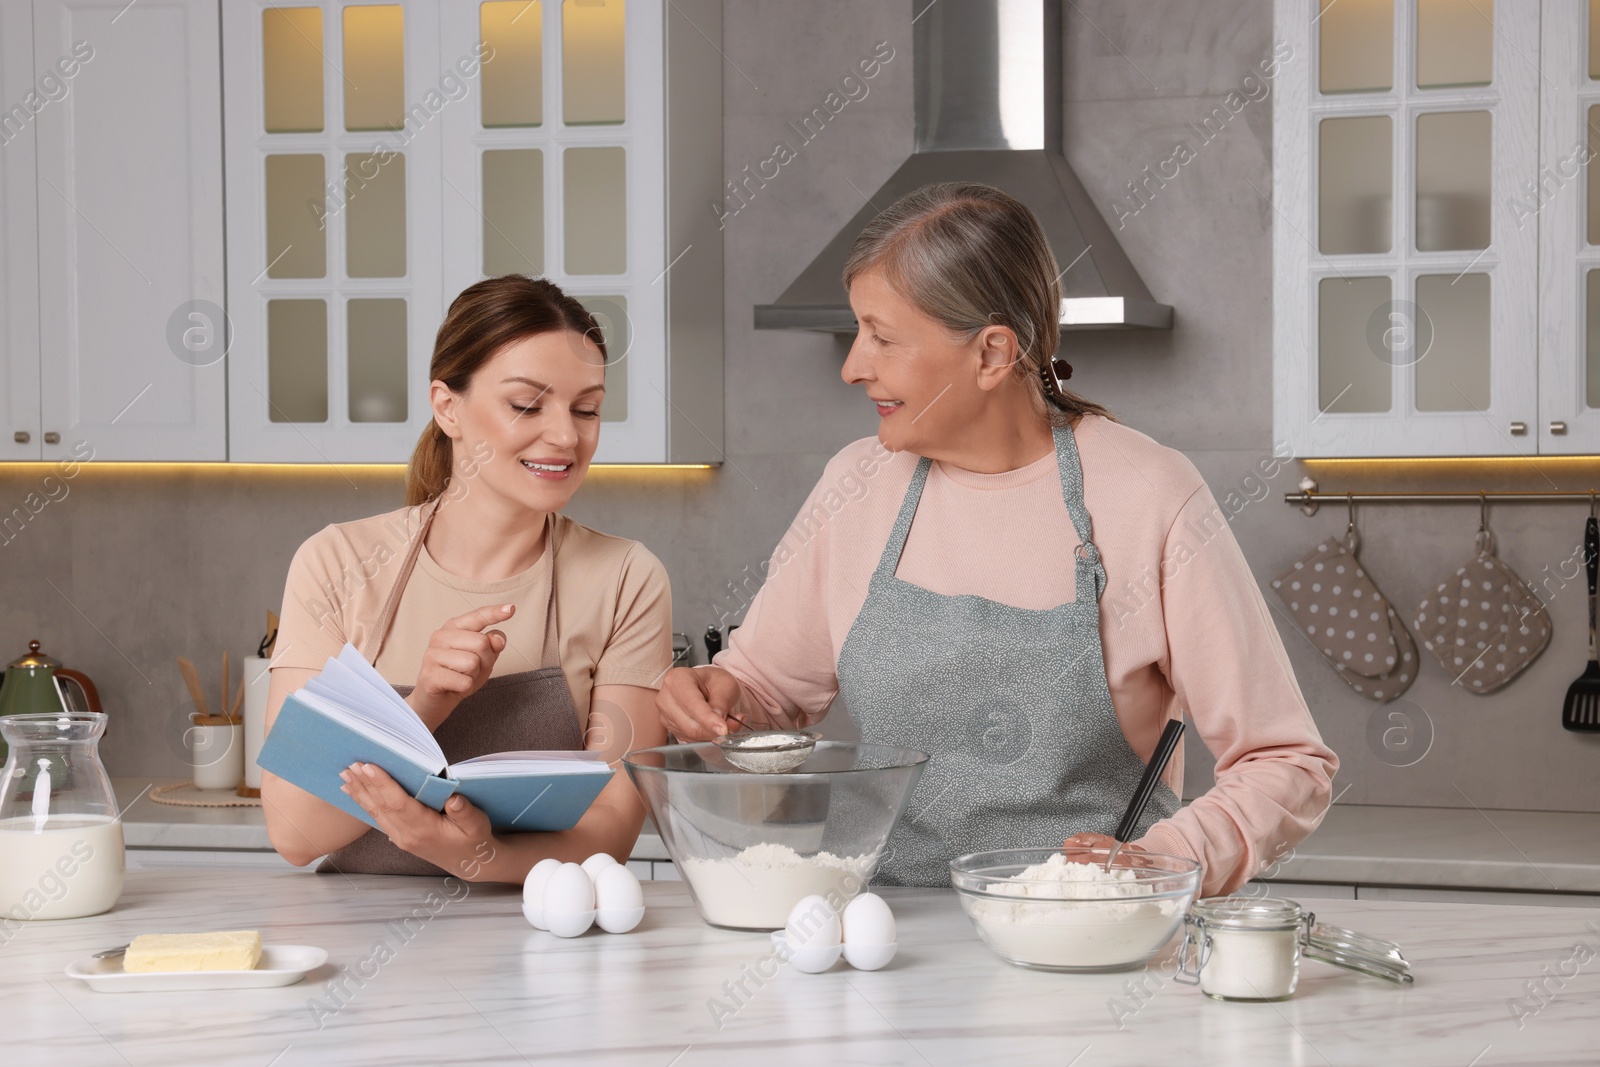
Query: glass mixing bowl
pixel 749 846
pixel 1094 924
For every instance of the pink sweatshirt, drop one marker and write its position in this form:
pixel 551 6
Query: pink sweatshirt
pixel 1182 621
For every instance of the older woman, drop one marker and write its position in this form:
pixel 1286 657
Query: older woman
pixel 954 599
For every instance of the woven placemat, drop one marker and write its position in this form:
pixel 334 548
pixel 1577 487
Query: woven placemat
pixel 185 795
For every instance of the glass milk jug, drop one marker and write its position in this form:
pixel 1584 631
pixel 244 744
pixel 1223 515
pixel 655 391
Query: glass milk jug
pixel 60 836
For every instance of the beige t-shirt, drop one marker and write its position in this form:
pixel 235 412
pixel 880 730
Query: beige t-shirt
pixel 613 605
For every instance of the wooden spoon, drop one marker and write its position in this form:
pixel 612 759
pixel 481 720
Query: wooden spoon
pixel 192 679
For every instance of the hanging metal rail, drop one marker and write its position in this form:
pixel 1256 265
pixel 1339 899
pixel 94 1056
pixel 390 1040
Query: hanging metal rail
pixel 1310 499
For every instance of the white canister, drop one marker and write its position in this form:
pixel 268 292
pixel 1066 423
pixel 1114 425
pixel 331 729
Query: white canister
pixel 1249 948
pixel 257 679
pixel 216 749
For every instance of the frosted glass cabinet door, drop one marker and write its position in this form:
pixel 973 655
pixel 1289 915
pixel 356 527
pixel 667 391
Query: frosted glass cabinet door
pixel 561 171
pixel 19 293
pixel 1406 283
pixel 334 197
pixel 130 232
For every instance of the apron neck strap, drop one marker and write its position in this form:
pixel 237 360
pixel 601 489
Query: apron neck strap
pixel 889 562
pixel 550 655
pixel 1071 471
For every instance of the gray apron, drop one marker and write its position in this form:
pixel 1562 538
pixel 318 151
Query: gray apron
pixel 1011 704
pixel 527 711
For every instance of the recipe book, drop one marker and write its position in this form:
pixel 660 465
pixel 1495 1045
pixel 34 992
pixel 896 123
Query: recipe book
pixel 349 714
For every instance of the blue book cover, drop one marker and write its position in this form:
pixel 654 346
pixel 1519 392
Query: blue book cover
pixel 315 737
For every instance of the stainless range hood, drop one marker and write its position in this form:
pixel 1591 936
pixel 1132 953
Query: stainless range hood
pixel 988 108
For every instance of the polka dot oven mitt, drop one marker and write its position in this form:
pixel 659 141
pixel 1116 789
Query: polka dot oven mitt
pixel 1336 605
pixel 1483 624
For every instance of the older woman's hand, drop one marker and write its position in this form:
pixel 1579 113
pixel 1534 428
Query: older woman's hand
pixel 694 702
pixel 456 840
pixel 1079 847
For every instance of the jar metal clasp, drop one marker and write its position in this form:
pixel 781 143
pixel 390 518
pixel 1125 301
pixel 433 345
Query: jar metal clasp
pixel 1196 937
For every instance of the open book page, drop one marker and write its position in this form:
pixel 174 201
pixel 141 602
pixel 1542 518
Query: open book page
pixel 351 690
pixel 508 764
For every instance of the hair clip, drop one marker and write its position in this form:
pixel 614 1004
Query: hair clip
pixel 1053 374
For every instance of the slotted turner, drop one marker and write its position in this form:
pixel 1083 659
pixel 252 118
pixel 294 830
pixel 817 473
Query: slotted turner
pixel 1582 709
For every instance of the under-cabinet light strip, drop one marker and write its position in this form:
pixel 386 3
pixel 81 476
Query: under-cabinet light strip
pixel 299 468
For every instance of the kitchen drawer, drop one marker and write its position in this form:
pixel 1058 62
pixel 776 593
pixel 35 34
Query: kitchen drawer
pixel 166 859
pixel 665 872
pixel 1301 890
pixel 1479 896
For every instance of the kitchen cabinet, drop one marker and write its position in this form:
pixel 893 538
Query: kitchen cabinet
pixel 1566 202
pixel 333 229
pixel 19 247
pixel 115 238
pixel 1314 891
pixel 129 200
pixel 205 859
pixel 1298 890
pixel 382 157
pixel 1406 289
pixel 1433 895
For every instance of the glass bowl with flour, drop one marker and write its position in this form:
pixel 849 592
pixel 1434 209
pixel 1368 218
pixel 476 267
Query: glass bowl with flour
pixel 1036 908
pixel 750 845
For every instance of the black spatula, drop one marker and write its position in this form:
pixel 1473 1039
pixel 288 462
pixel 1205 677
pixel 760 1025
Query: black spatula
pixel 1582 709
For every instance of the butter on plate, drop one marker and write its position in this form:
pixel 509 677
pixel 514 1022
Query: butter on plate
pixel 229 950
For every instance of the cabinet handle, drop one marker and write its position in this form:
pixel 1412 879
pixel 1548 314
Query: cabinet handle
pixel 52 438
pixel 1558 427
pixel 1518 429
pixel 22 437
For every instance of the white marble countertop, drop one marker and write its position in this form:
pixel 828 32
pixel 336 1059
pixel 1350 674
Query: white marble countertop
pixel 1442 847
pixel 467 980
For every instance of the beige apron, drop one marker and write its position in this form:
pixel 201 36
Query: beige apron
pixel 527 711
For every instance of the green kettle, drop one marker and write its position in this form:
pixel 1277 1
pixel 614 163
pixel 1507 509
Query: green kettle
pixel 29 687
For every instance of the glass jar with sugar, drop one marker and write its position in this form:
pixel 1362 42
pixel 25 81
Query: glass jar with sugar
pixel 1249 948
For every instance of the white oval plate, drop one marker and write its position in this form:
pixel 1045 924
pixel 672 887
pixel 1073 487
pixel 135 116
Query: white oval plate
pixel 280 965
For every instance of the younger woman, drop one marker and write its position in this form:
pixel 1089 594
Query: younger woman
pixel 506 626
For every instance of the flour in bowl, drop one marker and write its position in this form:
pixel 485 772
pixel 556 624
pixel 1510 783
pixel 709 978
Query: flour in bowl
pixel 1073 915
pixel 757 888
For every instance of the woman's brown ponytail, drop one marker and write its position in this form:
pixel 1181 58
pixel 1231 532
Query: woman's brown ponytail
pixel 429 471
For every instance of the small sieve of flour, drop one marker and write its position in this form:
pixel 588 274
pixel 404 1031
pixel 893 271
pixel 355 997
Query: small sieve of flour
pixel 757 889
pixel 1073 916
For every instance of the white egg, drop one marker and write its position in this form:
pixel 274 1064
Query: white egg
pixel 869 957
pixel 618 899
pixel 568 901
pixel 869 933
pixel 812 959
pixel 812 924
pixel 597 863
pixel 867 920
pixel 533 891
